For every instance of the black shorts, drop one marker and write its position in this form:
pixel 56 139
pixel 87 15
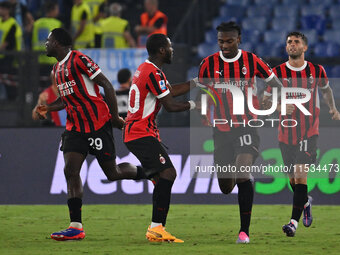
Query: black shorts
pixel 302 153
pixel 151 153
pixel 237 141
pixel 99 143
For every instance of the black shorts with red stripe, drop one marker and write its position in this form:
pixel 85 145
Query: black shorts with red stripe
pixel 302 153
pixel 232 143
pixel 99 143
pixel 151 153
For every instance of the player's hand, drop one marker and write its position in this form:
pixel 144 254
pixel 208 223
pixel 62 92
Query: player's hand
pixel 41 111
pixel 290 109
pixel 335 114
pixel 118 123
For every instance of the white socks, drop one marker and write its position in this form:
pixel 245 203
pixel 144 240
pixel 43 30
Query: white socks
pixel 295 223
pixel 76 225
pixel 155 224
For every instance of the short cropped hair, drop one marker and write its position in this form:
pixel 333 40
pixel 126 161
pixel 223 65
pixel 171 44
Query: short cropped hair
pixel 123 75
pixel 229 26
pixel 155 42
pixel 62 37
pixel 298 35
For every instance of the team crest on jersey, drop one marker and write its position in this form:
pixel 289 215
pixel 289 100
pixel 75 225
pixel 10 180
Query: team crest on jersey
pixel 244 70
pixel 66 72
pixel 162 84
pixel 311 79
pixel 162 159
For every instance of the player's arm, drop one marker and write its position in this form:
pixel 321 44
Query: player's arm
pixel 41 101
pixel 43 109
pixel 174 106
pixel 182 88
pixel 110 98
pixel 327 94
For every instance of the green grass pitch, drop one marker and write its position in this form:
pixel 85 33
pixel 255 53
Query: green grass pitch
pixel 206 229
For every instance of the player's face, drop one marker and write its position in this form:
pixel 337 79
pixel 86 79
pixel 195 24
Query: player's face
pixel 50 46
pixel 228 43
pixel 169 53
pixel 295 46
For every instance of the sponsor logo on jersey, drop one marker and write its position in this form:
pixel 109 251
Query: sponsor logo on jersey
pixel 162 84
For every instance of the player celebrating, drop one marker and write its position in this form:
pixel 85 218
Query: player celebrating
pixel 298 144
pixel 88 127
pixel 149 91
pixel 235 144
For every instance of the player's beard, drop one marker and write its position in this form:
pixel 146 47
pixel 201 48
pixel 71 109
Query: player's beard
pixel 296 56
pixel 168 58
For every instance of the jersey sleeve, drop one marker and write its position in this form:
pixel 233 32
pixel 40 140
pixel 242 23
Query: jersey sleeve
pixel 263 70
pixel 203 75
pixel 323 79
pixel 158 84
pixel 268 90
pixel 88 66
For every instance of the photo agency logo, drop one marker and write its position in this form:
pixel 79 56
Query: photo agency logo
pixel 214 97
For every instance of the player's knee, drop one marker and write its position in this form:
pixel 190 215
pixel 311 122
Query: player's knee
pixel 169 174
pixel 226 190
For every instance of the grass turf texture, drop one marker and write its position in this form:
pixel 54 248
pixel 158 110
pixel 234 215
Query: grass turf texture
pixel 206 229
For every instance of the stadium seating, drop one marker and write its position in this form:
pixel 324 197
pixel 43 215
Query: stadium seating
pixel 259 11
pixel 293 2
pixel 311 35
pixel 332 36
pixel 266 2
pixel 239 2
pixel 313 22
pixel 284 24
pixel 219 20
pixel 318 10
pixel 287 11
pixel 210 36
pixel 268 50
pixel 326 49
pixel 251 36
pixel 255 23
pixel 323 2
pixel 230 12
pixel 274 37
pixel 335 73
pixel 334 12
pixel 206 49
pixel 247 46
pixel 336 24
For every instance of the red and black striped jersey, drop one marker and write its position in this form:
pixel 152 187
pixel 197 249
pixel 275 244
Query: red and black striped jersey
pixel 310 77
pixel 149 84
pixel 239 71
pixel 85 107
